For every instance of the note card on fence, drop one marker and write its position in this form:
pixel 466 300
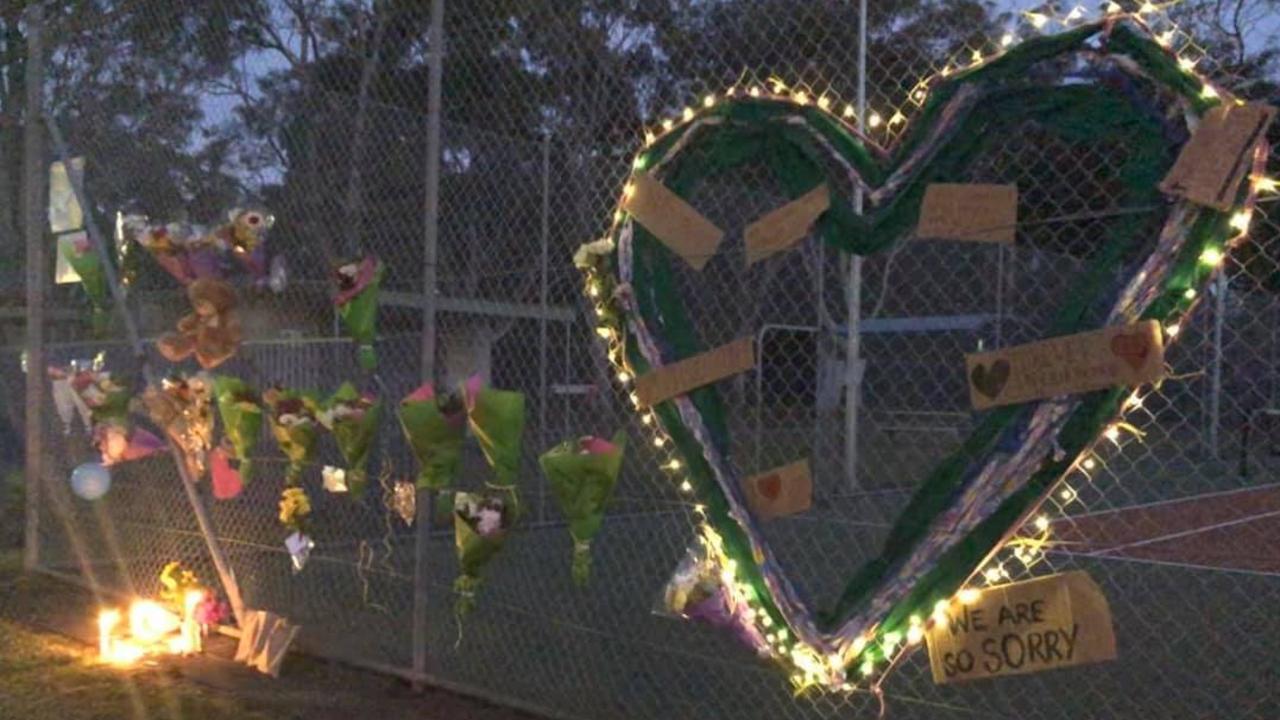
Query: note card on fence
pixel 689 374
pixel 973 212
pixel 783 227
pixel 786 490
pixel 676 223
pixel 1043 624
pixel 1120 355
pixel 1219 154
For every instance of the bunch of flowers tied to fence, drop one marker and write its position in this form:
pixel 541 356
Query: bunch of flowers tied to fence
pixel 292 416
pixel 582 474
pixel 352 417
pixel 182 406
pixel 103 405
pixel 358 284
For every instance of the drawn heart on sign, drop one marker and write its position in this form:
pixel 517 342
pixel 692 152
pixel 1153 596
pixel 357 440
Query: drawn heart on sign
pixel 1132 348
pixel 769 486
pixel 971 501
pixel 990 379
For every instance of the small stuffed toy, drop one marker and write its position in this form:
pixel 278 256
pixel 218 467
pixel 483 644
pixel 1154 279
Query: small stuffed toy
pixel 212 332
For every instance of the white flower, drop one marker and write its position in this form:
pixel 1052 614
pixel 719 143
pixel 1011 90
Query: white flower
pixel 490 521
pixel 335 479
pixel 588 252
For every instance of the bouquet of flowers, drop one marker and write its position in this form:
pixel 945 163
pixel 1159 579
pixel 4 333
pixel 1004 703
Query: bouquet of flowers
pixel 352 417
pixel 480 525
pixel 696 591
pixel 295 514
pixel 103 406
pixel 182 406
pixel 293 423
pixel 435 427
pixel 582 474
pixel 211 332
pixel 241 412
pixel 357 301
pixel 182 251
pixel 84 259
pixel 497 421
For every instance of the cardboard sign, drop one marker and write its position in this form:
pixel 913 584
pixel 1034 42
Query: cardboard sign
pixel 785 226
pixel 63 273
pixel 1219 154
pixel 264 639
pixel 781 491
pixel 1120 355
pixel 64 209
pixel 705 368
pixel 673 221
pixel 1043 624
pixel 978 213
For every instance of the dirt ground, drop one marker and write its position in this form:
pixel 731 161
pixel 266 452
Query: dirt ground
pixel 48 670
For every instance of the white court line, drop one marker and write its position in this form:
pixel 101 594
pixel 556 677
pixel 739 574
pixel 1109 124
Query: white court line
pixel 1172 501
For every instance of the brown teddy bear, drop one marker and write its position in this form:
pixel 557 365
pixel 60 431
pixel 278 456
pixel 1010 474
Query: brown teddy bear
pixel 212 332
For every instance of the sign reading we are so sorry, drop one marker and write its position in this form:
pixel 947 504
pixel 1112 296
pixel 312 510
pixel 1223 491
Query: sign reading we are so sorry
pixel 1042 624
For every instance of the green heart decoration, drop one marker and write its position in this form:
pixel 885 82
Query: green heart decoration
pixel 972 502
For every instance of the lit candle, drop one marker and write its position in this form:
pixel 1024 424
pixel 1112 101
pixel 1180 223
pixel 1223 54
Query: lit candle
pixel 107 621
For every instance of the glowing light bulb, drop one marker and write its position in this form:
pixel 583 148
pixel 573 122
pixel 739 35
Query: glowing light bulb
pixel 1265 184
pixel 1042 522
pixel 1112 433
pixel 874 120
pixel 897 118
pixel 1037 20
pixel 686 114
pixel 801 98
pixel 1165 39
pixel 593 289
pixel 1008 39
pixel 1067 494
pixel 1172 329
pixel 968 596
pixel 673 465
pixel 1076 14
pixel 649 137
pixel 992 575
pixel 1134 402
pixel 624 377
pixel 1089 464
pixel 709 101
pixel 914 635
pixel 1190 294
pixel 604 332
pixel 1240 221
pixel 1146 8
pixel 1187 64
pixel 824 102
pixel 1208 92
pixel 1212 256
pixel 867 667
pixel 1113 8
pixel 659 441
pixel 685 487
pixel 849 111
pixel 668 124
pixel 754 91
pixel 638 163
pixel 647 419
pixel 976 57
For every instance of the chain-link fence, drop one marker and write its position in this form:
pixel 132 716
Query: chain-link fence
pixel 320 112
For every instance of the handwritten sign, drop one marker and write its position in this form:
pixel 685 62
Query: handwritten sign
pixel 1119 355
pixel 781 228
pixel 973 212
pixel 786 490
pixel 1043 624
pixel 691 373
pixel 1219 154
pixel 673 221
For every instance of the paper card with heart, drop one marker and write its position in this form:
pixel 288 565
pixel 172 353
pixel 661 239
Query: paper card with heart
pixel 786 490
pixel 1127 355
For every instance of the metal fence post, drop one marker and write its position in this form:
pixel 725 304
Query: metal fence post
pixel 853 292
pixel 431 231
pixel 33 229
pixel 542 306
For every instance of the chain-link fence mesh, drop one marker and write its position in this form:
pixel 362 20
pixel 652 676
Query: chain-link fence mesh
pixel 319 112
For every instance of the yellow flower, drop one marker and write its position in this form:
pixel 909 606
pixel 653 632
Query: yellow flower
pixel 294 505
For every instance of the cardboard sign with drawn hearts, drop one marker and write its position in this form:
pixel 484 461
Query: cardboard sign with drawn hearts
pixel 1122 356
pixel 786 490
pixel 659 307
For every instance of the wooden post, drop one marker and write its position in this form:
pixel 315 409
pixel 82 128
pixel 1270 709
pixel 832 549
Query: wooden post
pixel 33 219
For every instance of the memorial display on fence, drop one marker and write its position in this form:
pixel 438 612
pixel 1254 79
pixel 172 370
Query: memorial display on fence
pixel 1045 404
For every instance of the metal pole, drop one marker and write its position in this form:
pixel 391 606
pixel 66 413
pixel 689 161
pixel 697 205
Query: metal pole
pixel 542 321
pixel 431 235
pixel 33 230
pixel 1215 392
pixel 853 294
pixel 220 563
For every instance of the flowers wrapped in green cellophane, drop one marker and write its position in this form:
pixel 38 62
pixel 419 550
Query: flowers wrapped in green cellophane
pixel 497 421
pixel 352 417
pixel 241 412
pixel 293 424
pixel 357 302
pixel 82 258
pixel 480 525
pixel 435 427
pixel 582 474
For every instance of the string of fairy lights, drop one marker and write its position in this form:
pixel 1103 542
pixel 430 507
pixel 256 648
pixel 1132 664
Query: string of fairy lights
pixel 1025 550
